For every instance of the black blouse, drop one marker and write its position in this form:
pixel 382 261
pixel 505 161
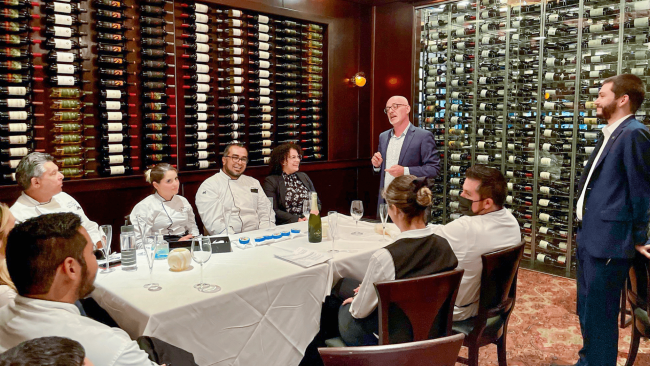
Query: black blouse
pixel 297 193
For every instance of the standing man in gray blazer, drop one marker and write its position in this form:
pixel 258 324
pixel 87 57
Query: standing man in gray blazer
pixel 404 149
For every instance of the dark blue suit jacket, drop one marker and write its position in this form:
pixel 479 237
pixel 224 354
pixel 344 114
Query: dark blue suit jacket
pixel 418 153
pixel 617 199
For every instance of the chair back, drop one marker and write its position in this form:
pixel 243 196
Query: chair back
pixel 417 309
pixel 638 284
pixel 432 352
pixel 499 281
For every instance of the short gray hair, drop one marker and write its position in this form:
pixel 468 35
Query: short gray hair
pixel 31 166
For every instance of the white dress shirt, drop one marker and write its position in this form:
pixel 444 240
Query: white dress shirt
pixel 27 207
pixel 380 268
pixel 470 237
pixel 393 151
pixel 173 217
pixel 241 201
pixel 29 318
pixel 607 132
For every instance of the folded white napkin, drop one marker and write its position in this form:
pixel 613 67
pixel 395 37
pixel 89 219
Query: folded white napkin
pixel 391 230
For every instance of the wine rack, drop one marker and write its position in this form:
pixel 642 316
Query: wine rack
pixel 521 99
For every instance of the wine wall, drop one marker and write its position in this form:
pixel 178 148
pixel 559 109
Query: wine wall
pixel 513 86
pixel 111 88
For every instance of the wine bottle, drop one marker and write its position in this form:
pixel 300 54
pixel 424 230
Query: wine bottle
pixel 117 170
pixel 60 19
pixel 17 53
pixel 314 226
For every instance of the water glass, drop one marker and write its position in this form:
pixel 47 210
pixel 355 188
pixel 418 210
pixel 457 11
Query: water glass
pixel 383 213
pixel 356 211
pixel 270 212
pixel 306 208
pixel 201 253
pixel 107 235
pixel 150 245
pixel 332 220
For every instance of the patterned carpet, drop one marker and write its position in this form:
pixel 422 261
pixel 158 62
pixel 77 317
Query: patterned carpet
pixel 544 327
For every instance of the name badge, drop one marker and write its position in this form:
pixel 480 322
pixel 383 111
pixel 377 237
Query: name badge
pixel 253 190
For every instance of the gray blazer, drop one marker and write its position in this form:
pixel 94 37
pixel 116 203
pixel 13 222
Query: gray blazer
pixel 275 188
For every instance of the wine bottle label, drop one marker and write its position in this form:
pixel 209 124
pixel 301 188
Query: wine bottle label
pixel 596 28
pixel 201 116
pixel 236 22
pixel 454 168
pixel 264 55
pixel 16 103
pixel 114 170
pixel 550 61
pixel 552 31
pixel 202 38
pixel 201 126
pixel 454 205
pixel 554 17
pixel 546 161
pixel 112 127
pixel 455 156
pixel 455 107
pixel 546 147
pixel 544 202
pixel 549 105
pixel 202 18
pixel 112 105
pixel 113 94
pixel 115 137
pixel 454 192
pixel 544 217
pixel 201 107
pixel 18 140
pixel 115 148
pixel 114 116
pixel 483 158
pixel 485 53
pixel 483 106
pixel 200 97
pixel 202 47
pixel 265 100
pixel 594 74
pixel 589 149
pixel 62 8
pixel 200 8
pixel 236 89
pixel 265 91
pixel 483 80
pixel 237 60
pixel 590 121
pixel 65 80
pixel 202 136
pixel 63 44
pixel 594 42
pixel 642 23
pixel 549 76
pixel 460 19
pixel 266 143
pixel 203 164
pixel 480 131
pixel 65 69
pixel 460 45
pixel 62 32
pixel 62 19
pixel 263 28
pixel 264 82
pixel 202 57
pixel 203 78
pixel 17 90
pixel 456 181
pixel 236 80
pixel 202 88
pixel 13 164
pixel 637 71
pixel 202 145
pixel 264 64
pixel 17 115
pixel 264 74
pixel 481 145
pixel 266 117
pixel 543 244
pixel 264 46
pixel 202 28
pixel 433 36
pixel 267 126
pixel 486 40
pixel 17 127
pixel 64 57
pixel 18 151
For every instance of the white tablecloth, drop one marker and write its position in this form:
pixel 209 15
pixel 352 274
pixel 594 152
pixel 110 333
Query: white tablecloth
pixel 266 313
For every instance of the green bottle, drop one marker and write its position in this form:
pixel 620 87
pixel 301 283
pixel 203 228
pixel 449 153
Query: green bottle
pixel 314 226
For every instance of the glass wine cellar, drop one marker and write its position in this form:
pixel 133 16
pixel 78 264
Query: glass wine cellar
pixel 512 86
pixel 111 88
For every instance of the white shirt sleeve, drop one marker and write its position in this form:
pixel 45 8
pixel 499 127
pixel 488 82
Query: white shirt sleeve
pixel 380 268
pixel 406 170
pixel 131 354
pixel 264 208
pixel 209 202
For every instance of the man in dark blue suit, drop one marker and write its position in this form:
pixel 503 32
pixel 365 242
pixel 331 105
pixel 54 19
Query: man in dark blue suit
pixel 404 149
pixel 613 208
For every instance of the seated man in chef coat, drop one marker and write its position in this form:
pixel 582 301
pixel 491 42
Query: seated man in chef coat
pixel 42 184
pixel 230 202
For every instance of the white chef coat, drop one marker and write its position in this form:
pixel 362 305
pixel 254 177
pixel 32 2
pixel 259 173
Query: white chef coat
pixel 241 201
pixel 380 268
pixel 7 295
pixel 27 207
pixel 470 237
pixel 173 217
pixel 29 318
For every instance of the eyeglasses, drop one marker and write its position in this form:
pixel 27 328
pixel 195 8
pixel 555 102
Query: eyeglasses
pixel 394 107
pixel 295 157
pixel 235 159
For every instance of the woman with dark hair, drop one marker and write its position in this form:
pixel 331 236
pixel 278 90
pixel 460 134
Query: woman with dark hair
pixel 164 210
pixel 288 187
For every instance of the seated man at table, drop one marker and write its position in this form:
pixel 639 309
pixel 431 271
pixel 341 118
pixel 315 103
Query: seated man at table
pixel 485 227
pixel 42 184
pixel 50 259
pixel 230 202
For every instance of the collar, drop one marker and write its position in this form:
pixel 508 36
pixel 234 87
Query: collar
pixel 161 198
pixel 38 303
pixel 417 233
pixel 609 129
pixel 34 202
pixel 285 175
pixel 392 131
pixel 226 176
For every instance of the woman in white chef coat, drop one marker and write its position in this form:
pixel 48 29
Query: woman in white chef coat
pixel 164 211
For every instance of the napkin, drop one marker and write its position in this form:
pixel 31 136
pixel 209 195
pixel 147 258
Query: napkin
pixel 391 230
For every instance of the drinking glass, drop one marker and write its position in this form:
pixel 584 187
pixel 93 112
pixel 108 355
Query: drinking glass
pixel 107 236
pixel 356 211
pixel 383 213
pixel 332 220
pixel 306 208
pixel 201 253
pixel 270 211
pixel 150 245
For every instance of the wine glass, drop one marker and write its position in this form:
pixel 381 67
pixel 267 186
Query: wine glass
pixel 270 211
pixel 201 253
pixel 306 208
pixel 383 213
pixel 356 211
pixel 150 245
pixel 107 236
pixel 332 220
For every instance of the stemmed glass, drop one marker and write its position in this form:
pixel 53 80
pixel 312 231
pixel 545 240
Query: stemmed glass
pixel 383 213
pixel 107 236
pixel 356 211
pixel 201 253
pixel 332 220
pixel 306 208
pixel 150 245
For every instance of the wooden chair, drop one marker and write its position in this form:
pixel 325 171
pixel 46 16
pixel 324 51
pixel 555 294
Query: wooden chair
pixel 432 352
pixel 497 299
pixel 417 309
pixel 638 293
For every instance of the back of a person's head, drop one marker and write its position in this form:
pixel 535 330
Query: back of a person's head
pixel 45 351
pixel 409 194
pixel 492 183
pixel 38 246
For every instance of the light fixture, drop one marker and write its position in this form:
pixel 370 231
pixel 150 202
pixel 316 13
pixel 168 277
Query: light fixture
pixel 359 79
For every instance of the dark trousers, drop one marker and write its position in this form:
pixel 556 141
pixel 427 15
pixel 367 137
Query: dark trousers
pixel 600 281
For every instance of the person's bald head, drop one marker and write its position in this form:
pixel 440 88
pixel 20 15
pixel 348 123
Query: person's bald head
pixel 397 110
